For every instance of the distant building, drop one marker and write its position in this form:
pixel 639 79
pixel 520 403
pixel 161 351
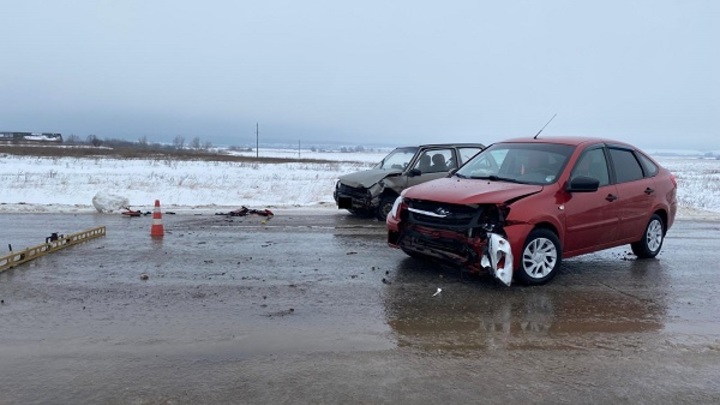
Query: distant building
pixel 30 137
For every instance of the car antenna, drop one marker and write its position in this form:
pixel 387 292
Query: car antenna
pixel 546 124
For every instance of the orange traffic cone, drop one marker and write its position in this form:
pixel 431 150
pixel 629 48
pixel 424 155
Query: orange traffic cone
pixel 157 230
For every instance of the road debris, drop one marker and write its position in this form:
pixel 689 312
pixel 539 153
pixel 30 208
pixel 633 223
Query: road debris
pixel 52 238
pixel 130 213
pixel 244 211
pixel 133 213
pixel 53 243
pixel 281 313
pixel 144 277
pixel 439 290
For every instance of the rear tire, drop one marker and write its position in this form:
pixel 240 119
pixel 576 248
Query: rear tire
pixel 651 243
pixel 541 257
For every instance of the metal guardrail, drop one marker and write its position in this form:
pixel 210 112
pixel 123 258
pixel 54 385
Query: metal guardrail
pixel 62 241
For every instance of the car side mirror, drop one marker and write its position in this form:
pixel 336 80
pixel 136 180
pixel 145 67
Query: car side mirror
pixel 414 172
pixel 582 184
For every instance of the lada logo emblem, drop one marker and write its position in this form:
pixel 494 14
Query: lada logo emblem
pixel 442 211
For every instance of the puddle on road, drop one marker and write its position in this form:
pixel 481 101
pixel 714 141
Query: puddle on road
pixel 607 301
pixel 468 319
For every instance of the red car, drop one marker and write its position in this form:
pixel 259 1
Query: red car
pixel 520 206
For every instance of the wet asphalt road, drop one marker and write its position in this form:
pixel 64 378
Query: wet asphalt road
pixel 309 308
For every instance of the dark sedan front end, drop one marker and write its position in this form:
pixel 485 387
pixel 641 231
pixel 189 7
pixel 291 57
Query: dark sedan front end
pixel 353 198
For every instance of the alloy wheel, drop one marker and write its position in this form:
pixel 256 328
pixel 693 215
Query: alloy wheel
pixel 654 235
pixel 539 258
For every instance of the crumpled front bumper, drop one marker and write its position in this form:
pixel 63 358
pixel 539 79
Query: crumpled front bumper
pixel 352 198
pixel 476 246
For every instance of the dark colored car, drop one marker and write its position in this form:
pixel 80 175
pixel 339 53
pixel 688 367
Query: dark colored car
pixel 372 192
pixel 520 206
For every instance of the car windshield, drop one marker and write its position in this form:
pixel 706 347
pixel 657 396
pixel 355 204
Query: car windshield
pixel 526 163
pixel 397 159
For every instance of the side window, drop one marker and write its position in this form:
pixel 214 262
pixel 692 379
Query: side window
pixel 650 167
pixel 425 162
pixel 467 153
pixel 441 160
pixel 627 168
pixel 592 163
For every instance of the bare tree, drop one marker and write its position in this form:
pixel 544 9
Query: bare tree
pixel 143 141
pixel 207 145
pixel 179 142
pixel 94 140
pixel 195 143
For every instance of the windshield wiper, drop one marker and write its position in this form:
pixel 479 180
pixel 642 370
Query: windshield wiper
pixel 461 176
pixel 497 178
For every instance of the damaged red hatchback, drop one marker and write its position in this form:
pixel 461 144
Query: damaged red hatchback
pixel 520 206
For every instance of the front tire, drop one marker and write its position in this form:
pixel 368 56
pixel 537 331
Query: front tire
pixel 651 243
pixel 541 257
pixel 386 204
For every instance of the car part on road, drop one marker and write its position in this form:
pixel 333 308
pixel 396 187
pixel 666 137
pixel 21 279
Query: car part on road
pixel 243 211
pixel 133 213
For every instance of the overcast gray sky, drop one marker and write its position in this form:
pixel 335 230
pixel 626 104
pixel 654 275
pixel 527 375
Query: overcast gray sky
pixel 393 72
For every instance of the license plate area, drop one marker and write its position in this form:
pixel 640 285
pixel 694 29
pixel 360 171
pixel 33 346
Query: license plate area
pixel 345 202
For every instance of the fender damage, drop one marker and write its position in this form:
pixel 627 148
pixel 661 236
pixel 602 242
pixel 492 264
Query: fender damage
pixel 473 235
pixel 362 190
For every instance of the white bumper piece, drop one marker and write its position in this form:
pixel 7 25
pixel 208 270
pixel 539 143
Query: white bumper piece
pixel 498 248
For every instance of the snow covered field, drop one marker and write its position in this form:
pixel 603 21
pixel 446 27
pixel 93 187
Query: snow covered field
pixel 698 182
pixel 31 184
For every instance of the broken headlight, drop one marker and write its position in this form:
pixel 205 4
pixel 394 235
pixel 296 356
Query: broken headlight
pixel 395 211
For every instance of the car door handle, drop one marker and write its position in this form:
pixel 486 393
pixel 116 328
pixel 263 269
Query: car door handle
pixel 649 191
pixel 611 197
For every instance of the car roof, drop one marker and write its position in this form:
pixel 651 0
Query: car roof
pixel 567 140
pixel 446 145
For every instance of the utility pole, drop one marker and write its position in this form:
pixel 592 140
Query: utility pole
pixel 257 140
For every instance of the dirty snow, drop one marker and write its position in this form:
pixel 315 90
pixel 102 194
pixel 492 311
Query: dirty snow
pixel 32 184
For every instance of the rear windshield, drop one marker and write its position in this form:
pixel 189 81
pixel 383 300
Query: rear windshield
pixel 526 163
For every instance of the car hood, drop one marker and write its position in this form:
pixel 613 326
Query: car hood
pixel 454 190
pixel 366 178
